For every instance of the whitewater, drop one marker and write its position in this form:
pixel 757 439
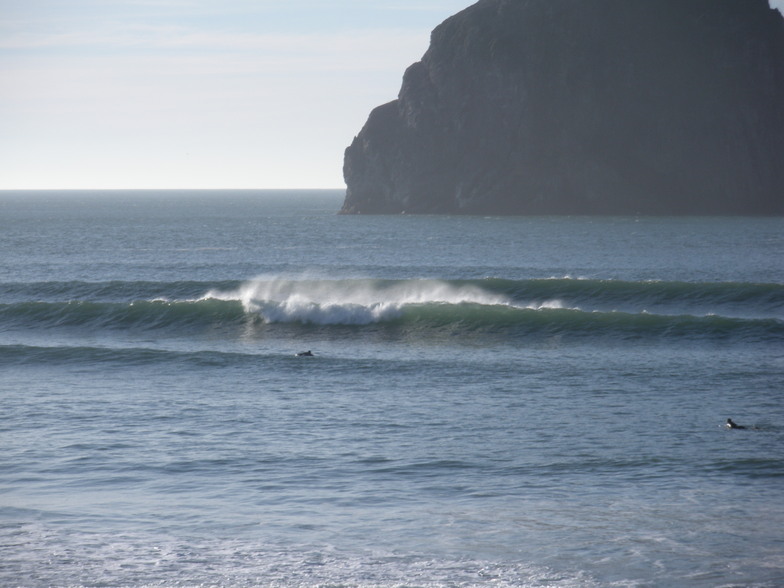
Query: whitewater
pixel 489 401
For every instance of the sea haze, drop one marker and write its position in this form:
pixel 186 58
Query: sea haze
pixel 490 401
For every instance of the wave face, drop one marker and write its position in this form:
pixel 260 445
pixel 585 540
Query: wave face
pixel 459 308
pixel 352 302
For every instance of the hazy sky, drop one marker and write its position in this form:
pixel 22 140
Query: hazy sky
pixel 198 93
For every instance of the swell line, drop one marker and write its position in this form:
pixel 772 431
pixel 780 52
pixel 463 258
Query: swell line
pixel 572 292
pixel 457 320
pixel 110 291
pixel 119 356
pixel 649 291
pixel 146 314
pixel 348 301
pixel 572 288
pixel 524 322
pixel 420 307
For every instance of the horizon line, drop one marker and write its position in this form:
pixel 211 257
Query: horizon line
pixel 170 189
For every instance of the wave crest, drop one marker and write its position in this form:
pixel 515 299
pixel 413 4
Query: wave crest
pixel 349 302
pixel 515 309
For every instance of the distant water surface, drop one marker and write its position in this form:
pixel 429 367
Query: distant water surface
pixel 490 402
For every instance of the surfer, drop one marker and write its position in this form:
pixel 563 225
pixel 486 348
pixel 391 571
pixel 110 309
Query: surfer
pixel 305 354
pixel 732 425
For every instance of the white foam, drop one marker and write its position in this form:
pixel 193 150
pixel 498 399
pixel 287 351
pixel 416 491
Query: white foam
pixel 347 301
pixel 548 305
pixel 52 557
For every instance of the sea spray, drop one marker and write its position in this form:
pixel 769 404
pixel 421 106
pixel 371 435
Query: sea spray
pixel 349 301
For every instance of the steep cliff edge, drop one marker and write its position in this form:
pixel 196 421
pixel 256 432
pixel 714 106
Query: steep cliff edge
pixel 583 107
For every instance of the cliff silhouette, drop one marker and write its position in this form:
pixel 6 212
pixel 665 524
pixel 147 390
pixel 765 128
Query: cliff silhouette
pixel 583 107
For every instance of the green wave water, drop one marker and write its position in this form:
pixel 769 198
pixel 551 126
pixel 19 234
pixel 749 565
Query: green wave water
pixel 459 308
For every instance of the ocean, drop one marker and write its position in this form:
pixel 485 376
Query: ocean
pixel 489 401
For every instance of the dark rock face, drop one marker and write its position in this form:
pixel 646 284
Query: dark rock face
pixel 583 107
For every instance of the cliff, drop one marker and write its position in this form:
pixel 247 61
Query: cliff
pixel 583 107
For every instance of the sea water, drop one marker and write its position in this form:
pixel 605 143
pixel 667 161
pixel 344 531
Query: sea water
pixel 489 401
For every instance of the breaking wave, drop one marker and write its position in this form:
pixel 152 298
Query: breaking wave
pixel 350 302
pixel 513 308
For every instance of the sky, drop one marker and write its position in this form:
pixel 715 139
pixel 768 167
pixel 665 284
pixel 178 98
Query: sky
pixel 198 94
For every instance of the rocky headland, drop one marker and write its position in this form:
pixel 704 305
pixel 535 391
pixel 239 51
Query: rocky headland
pixel 660 107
